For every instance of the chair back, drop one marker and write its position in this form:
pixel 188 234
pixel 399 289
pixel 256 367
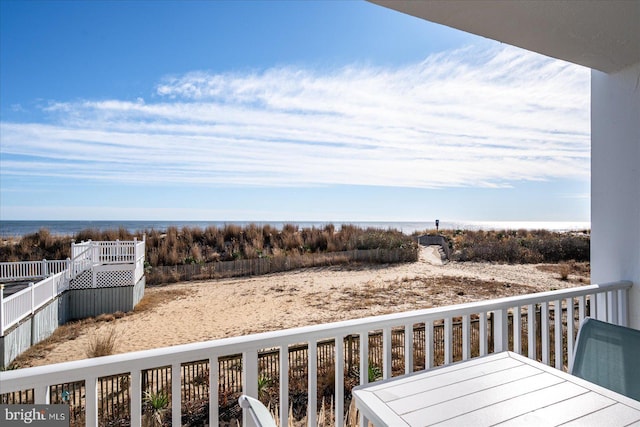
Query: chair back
pixel 258 411
pixel 608 355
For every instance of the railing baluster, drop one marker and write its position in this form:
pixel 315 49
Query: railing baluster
pixel 545 332
pixel 284 385
pixel 448 338
pixel 428 344
pixel 500 331
pixel 582 307
pixel 364 367
pixel 214 387
pixel 312 392
pixel 466 337
pixel 339 388
pixel 136 398
pixel 517 330
pixel 250 380
pixel 483 333
pixel 531 330
pixel 570 332
pixel 176 394
pixel 623 314
pixel 91 399
pixel 558 334
pixel 408 348
pixel 387 353
pixel 41 394
pixel 364 357
pixel 613 307
pixel 601 306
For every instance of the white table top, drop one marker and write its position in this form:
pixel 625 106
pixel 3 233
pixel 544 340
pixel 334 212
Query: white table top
pixel 498 388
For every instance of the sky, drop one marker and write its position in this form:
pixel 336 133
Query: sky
pixel 280 111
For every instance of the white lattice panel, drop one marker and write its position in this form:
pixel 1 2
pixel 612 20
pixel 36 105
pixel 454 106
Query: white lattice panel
pixel 104 279
pixel 82 281
pixel 110 279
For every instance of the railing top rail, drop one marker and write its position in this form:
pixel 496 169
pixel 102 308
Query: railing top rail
pixel 111 365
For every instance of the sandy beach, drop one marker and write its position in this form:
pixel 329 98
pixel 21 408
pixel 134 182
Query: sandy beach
pixel 205 310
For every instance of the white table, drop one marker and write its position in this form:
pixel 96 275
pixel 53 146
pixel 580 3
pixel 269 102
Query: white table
pixel 499 388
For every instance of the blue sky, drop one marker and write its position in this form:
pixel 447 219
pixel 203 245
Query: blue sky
pixel 282 111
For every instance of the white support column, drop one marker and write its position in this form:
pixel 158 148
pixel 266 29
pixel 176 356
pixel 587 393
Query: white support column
pixel 615 181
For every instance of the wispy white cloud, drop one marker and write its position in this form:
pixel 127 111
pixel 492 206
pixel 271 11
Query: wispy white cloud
pixel 465 118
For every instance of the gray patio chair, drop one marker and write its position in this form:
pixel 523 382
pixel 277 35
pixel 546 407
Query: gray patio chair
pixel 608 355
pixel 258 411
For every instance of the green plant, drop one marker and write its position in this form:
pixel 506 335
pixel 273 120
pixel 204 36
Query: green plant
pixel 264 382
pixel 374 373
pixel 157 404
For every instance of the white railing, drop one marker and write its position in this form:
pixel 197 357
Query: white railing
pixel 26 270
pixel 87 254
pixel 613 308
pixel 108 252
pixel 57 274
pixel 24 303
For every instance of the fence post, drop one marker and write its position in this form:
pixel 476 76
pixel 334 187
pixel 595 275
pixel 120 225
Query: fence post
pixel 45 270
pixel 32 296
pixel 1 310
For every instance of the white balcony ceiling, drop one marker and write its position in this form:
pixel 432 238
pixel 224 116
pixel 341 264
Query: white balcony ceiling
pixel 604 35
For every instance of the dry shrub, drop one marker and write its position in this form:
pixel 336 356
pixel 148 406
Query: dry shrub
pixel 158 297
pixel 565 269
pixel 105 317
pixel 103 344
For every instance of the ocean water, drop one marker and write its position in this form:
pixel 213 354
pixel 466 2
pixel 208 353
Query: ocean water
pixel 20 228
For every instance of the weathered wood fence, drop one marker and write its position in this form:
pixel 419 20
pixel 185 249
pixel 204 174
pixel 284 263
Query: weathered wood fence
pixel 276 264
